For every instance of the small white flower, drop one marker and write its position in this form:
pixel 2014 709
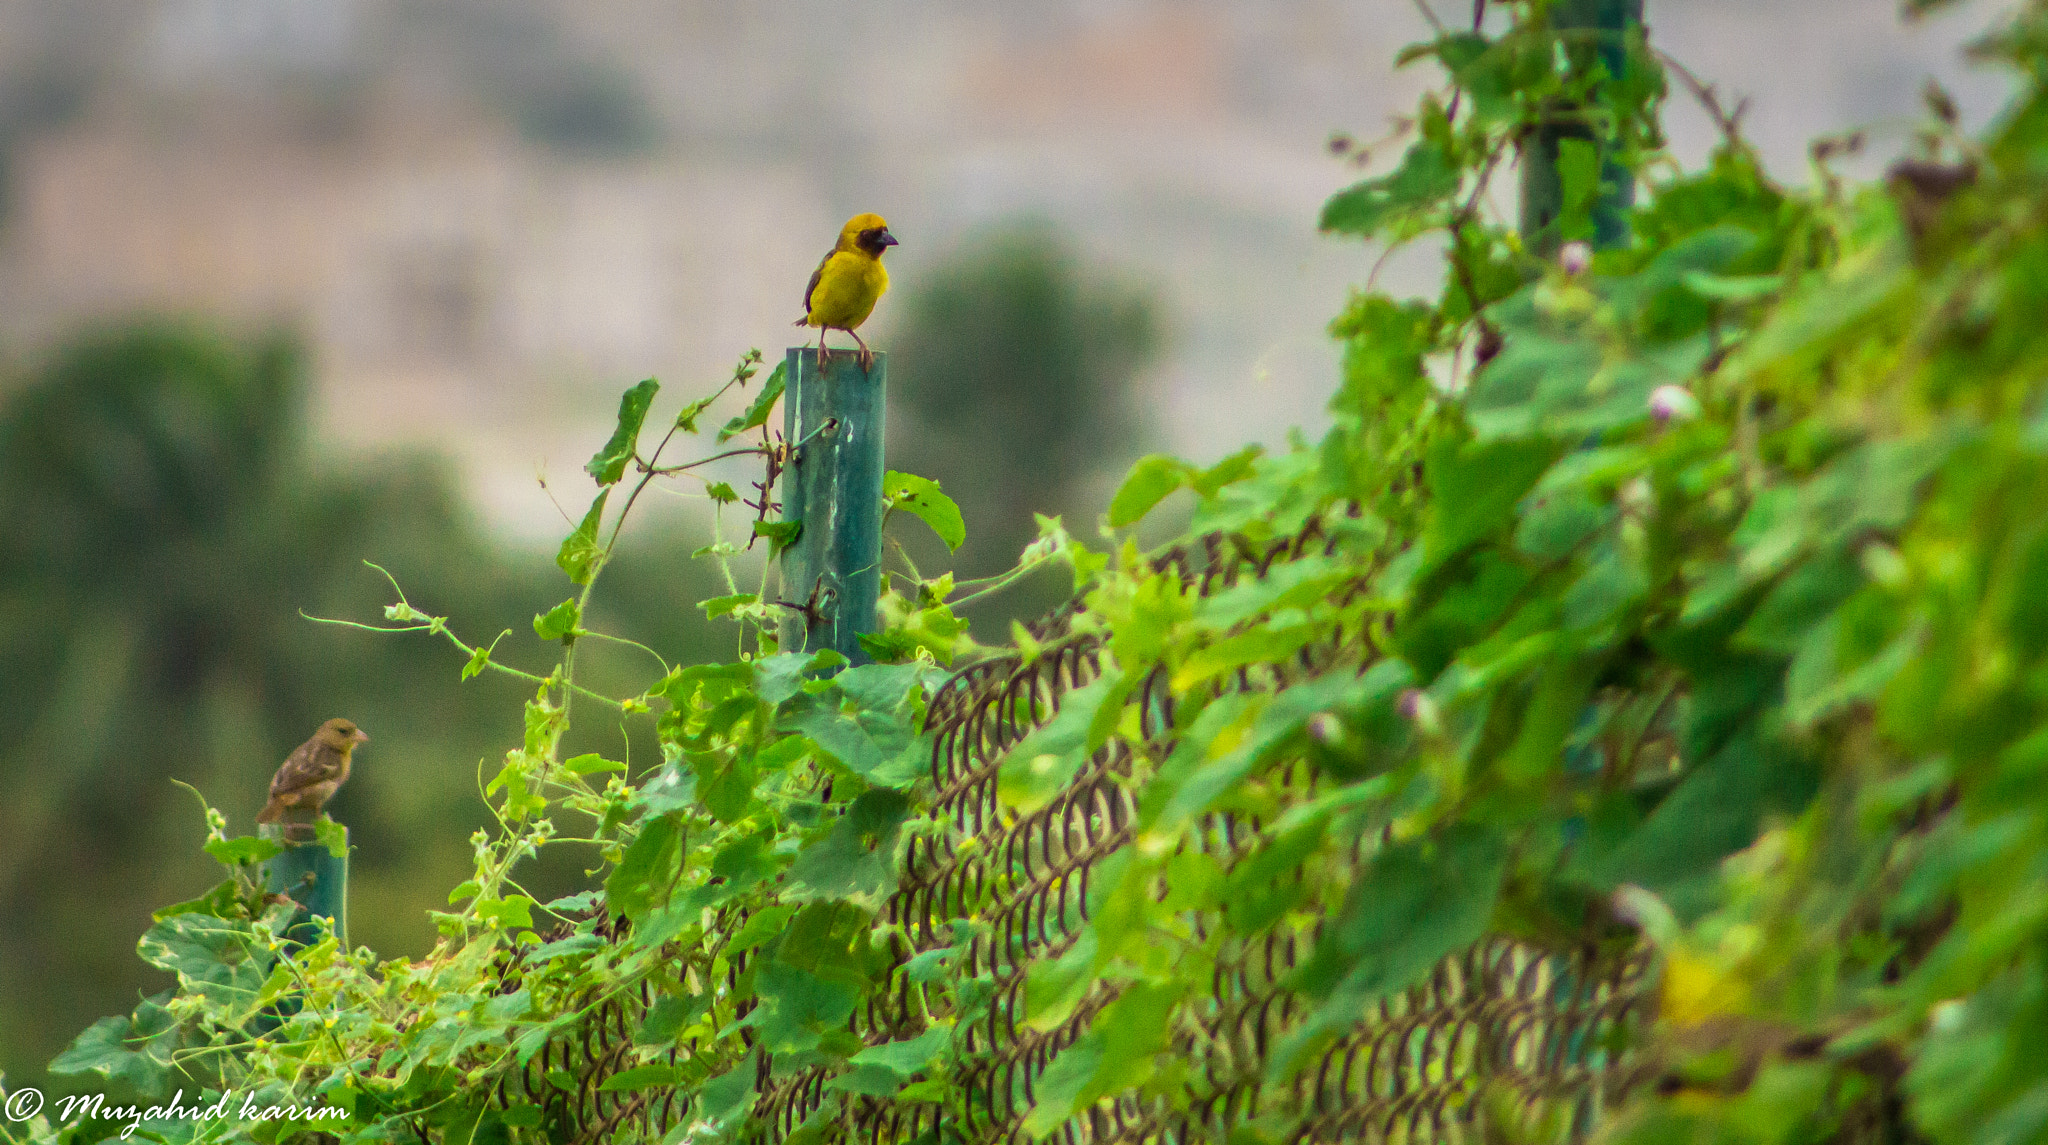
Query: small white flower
pixel 1673 403
pixel 1575 258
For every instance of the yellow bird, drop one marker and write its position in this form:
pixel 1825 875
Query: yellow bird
pixel 848 282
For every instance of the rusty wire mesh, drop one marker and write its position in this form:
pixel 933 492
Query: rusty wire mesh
pixel 1504 1029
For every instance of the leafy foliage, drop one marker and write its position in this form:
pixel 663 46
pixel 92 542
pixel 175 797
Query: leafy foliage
pixel 166 517
pixel 1671 606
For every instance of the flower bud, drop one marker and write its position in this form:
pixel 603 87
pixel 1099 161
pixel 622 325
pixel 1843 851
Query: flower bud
pixel 1417 708
pixel 1325 728
pixel 1670 403
pixel 1575 257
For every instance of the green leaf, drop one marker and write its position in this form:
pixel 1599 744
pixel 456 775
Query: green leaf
pixel 856 859
pixel 481 658
pixel 1740 289
pixel 215 959
pixel 134 1050
pixel 591 763
pixel 686 418
pixel 1134 1030
pixel 921 496
pixel 563 948
pixel 1039 766
pixel 1228 471
pixel 778 677
pixel 1147 484
pixel 906 1058
pixel 867 1080
pixel 1237 733
pixel 1302 583
pixel 1254 646
pixel 762 925
pixel 1716 811
pixel 1613 580
pixel 331 835
pixel 1057 1091
pixel 719 606
pixel 745 862
pixel 648 869
pixel 757 413
pixel 580 552
pixel 1496 73
pixel 1414 903
pixel 246 849
pixel 582 902
pixel 1425 178
pixel 721 492
pixel 1799 602
pixel 1578 171
pixel 508 912
pixel 875 745
pixel 725 783
pixel 667 1017
pixel 609 464
pixel 1478 486
pixel 557 622
pixel 779 534
pixel 724 1098
pixel 221 902
pixel 798 1006
pixel 1820 682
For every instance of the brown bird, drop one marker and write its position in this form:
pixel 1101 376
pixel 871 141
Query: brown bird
pixel 312 772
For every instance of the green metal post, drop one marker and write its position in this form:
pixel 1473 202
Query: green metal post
pixel 310 874
pixel 1606 24
pixel 315 878
pixel 834 486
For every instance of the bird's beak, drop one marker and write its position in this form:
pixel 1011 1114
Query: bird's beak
pixel 362 736
pixel 885 238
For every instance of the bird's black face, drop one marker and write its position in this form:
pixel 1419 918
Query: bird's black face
pixel 875 240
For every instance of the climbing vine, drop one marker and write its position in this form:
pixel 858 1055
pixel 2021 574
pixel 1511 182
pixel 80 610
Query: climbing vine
pixel 1645 671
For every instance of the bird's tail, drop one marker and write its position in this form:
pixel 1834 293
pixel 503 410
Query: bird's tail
pixel 271 813
pixel 804 321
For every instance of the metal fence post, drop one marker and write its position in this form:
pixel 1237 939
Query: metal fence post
pixel 311 875
pixel 1608 24
pixel 834 418
pixel 317 879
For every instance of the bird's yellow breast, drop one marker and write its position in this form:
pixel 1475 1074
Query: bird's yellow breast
pixel 849 284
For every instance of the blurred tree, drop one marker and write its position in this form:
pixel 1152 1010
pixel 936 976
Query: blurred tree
pixel 585 109
pixel 165 524
pixel 47 93
pixel 1011 386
